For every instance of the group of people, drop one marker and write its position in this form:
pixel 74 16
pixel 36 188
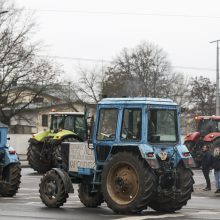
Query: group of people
pixel 211 161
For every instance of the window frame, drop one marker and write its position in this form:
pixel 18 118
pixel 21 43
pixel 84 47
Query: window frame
pixel 99 121
pixel 122 123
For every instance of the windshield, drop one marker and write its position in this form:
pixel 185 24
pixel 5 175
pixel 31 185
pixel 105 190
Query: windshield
pixel 162 126
pixel 75 123
pixel 207 126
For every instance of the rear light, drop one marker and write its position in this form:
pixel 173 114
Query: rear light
pixel 12 151
pixel 150 154
pixel 186 154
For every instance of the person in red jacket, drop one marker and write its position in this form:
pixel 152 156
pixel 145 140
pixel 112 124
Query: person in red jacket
pixel 216 167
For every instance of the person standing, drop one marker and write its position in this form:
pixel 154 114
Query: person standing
pixel 216 167
pixel 207 160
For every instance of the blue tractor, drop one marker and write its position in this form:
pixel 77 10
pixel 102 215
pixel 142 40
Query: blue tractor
pixel 136 160
pixel 10 171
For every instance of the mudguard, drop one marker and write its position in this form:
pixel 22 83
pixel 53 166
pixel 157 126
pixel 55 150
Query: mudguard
pixel 192 137
pixel 10 156
pixel 148 154
pixel 40 136
pixel 211 137
pixel 64 133
pixel 66 180
pixel 185 156
pixel 146 151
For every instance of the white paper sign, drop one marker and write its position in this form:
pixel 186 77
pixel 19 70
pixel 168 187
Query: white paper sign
pixel 80 156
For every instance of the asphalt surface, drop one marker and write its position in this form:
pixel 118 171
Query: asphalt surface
pixel 27 205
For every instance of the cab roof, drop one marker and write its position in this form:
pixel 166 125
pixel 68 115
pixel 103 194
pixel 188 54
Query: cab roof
pixel 137 100
pixel 211 117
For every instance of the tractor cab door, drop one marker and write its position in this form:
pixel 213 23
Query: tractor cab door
pixel 105 132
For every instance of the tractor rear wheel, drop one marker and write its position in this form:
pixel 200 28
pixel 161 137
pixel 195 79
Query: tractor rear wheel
pixel 52 190
pixel 10 182
pixel 35 159
pixel 90 200
pixel 173 203
pixel 127 183
pixel 56 153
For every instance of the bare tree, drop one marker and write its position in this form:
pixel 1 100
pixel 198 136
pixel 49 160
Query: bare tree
pixel 142 71
pixel 88 87
pixel 23 76
pixel 202 96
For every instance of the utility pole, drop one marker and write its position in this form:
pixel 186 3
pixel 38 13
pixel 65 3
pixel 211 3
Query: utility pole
pixel 217 77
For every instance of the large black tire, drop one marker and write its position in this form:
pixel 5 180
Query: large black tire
pixel 195 150
pixel 216 143
pixel 90 200
pixel 35 160
pixel 10 182
pixel 174 203
pixel 127 183
pixel 52 190
pixel 56 153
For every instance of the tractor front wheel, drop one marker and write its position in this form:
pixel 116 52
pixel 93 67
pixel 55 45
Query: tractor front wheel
pixel 52 190
pixel 88 198
pixel 36 160
pixel 125 189
pixel 10 180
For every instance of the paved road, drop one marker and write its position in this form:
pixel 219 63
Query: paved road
pixel 27 205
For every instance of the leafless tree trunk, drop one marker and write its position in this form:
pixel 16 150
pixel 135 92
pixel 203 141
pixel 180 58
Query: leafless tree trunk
pixel 23 76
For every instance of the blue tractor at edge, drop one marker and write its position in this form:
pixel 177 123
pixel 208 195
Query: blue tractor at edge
pixel 10 170
pixel 136 160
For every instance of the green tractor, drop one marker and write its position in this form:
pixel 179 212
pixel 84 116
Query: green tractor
pixel 45 146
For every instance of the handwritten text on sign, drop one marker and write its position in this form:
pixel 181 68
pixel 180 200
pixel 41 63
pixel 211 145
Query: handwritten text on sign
pixel 80 156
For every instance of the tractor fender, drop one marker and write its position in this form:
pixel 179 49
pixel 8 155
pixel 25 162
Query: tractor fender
pixel 64 134
pixel 66 180
pixel 39 137
pixel 144 150
pixel 10 156
pixel 211 137
pixel 185 157
pixel 192 137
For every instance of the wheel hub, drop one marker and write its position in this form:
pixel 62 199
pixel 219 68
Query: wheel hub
pixel 51 189
pixel 123 184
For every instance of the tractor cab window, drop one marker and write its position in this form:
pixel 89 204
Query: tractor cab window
pixel 207 126
pixel 162 126
pixel 107 124
pixel 57 122
pixel 80 127
pixel 131 125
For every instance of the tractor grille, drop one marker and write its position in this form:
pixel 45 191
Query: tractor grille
pixel 102 152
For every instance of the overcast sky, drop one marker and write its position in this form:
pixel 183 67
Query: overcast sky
pixel 100 29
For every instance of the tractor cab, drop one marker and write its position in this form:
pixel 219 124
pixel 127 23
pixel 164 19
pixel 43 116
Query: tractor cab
pixel 207 132
pixel 71 121
pixel 207 124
